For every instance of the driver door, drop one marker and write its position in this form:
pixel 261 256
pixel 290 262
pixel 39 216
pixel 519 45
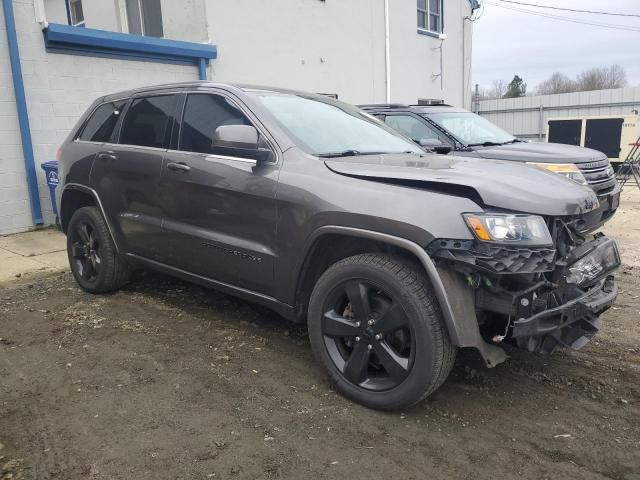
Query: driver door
pixel 219 211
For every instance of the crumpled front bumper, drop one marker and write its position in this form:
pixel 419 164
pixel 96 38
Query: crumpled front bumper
pixel 571 324
pixel 608 204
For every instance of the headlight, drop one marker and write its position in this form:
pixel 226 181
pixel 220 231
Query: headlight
pixel 602 260
pixel 509 228
pixel 568 170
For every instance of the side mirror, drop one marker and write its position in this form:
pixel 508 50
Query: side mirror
pixel 239 141
pixel 435 145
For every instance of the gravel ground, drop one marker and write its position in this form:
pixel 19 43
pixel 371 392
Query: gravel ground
pixel 165 380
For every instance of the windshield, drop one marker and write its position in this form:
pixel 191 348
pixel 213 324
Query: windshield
pixel 329 128
pixel 471 128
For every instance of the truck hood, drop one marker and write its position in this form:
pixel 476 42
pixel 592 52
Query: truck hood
pixel 503 185
pixel 538 152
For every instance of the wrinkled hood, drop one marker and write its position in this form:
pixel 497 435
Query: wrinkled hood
pixel 503 185
pixel 538 152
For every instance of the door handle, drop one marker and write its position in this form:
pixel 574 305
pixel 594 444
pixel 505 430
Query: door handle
pixel 178 167
pixel 109 155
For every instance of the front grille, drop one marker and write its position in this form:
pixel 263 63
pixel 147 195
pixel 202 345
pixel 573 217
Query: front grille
pixel 599 174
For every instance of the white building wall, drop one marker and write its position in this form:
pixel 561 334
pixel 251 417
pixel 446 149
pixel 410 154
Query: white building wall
pixel 327 47
pixel 416 59
pixel 59 88
pixel 339 47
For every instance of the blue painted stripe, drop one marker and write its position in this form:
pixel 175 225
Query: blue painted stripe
pixel 64 36
pixel 23 115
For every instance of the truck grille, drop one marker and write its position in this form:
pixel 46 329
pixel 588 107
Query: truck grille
pixel 599 174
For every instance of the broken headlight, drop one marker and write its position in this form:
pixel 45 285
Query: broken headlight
pixel 567 170
pixel 602 260
pixel 509 228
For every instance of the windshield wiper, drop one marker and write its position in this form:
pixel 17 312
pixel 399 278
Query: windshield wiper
pixel 515 140
pixel 485 144
pixel 346 153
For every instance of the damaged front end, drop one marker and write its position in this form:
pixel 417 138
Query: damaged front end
pixel 536 283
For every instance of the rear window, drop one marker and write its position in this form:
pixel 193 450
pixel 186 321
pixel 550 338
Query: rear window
pixel 100 125
pixel 146 121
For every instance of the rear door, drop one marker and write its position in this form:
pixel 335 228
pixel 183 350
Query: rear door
pixel 219 212
pixel 126 173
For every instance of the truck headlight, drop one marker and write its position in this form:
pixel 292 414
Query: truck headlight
pixel 593 265
pixel 509 228
pixel 567 170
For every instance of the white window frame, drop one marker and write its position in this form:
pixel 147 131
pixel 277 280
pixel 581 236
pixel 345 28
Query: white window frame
pixel 124 18
pixel 428 13
pixel 73 21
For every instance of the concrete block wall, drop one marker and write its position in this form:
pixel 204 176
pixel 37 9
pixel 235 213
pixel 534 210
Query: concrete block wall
pixel 58 88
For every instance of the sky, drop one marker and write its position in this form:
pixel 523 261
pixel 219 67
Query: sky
pixel 508 41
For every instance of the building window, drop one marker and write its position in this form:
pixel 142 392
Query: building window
pixel 430 15
pixel 144 17
pixel 74 13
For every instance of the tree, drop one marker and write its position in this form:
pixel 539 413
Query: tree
pixel 498 89
pixel 516 88
pixel 556 83
pixel 602 78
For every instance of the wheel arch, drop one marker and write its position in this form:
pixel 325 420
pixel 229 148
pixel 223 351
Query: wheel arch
pixel 456 299
pixel 75 196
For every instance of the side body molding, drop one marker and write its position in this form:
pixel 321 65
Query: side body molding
pixel 455 298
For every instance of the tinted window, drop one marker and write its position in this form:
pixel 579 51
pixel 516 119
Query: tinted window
pixel 100 126
pixel 203 114
pixel 146 121
pixel 411 127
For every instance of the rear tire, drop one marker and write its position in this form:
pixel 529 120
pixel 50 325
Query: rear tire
pixel 390 354
pixel 94 261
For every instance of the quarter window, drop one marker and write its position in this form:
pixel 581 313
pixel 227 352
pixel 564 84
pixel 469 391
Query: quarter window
pixel 99 127
pixel 203 114
pixel 144 17
pixel 430 15
pixel 147 120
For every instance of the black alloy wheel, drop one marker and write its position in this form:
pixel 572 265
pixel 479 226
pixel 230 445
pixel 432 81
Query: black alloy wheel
pixel 368 335
pixel 376 327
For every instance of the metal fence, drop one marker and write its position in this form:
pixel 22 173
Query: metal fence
pixel 526 117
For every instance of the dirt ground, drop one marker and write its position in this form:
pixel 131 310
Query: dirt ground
pixel 165 380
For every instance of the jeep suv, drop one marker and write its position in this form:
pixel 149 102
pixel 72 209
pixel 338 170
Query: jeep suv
pixel 446 129
pixel 395 258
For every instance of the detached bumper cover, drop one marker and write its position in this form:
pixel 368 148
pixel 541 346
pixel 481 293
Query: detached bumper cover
pixel 571 324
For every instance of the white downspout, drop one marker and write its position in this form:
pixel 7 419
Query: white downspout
pixel 387 51
pixel 38 7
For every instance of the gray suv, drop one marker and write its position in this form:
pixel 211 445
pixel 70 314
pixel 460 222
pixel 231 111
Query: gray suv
pixel 446 129
pixel 394 258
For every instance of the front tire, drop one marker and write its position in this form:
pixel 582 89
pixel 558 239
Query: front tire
pixel 93 258
pixel 376 328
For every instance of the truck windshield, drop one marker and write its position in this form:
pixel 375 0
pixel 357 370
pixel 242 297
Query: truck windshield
pixel 328 128
pixel 472 129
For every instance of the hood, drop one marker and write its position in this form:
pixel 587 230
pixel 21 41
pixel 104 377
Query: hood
pixel 539 152
pixel 503 185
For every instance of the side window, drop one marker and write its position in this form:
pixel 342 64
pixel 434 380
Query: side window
pixel 146 121
pixel 430 15
pixel 203 114
pixel 411 127
pixel 144 17
pixel 100 126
